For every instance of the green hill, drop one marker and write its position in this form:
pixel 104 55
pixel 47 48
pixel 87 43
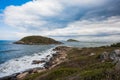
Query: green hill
pixel 72 40
pixel 33 40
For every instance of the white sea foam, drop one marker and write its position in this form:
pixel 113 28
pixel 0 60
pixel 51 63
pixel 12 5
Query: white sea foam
pixel 21 64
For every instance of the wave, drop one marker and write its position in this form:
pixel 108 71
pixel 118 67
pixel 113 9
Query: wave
pixel 24 63
pixel 4 51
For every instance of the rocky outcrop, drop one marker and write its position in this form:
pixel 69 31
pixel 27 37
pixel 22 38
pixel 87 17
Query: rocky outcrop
pixel 57 58
pixel 114 55
pixel 35 40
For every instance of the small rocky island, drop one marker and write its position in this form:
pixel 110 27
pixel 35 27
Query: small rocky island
pixel 72 40
pixel 35 40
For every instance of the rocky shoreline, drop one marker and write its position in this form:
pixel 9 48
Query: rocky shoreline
pixel 57 58
pixel 98 60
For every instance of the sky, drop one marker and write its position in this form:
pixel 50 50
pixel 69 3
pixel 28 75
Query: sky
pixel 84 20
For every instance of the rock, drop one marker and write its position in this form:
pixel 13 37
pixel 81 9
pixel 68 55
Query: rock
pixel 117 66
pixel 60 48
pixel 19 42
pixel 117 52
pixel 48 56
pixel 39 71
pixel 92 54
pixel 105 55
pixel 36 70
pixel 37 61
pixel 22 76
pixel 114 55
pixel 58 57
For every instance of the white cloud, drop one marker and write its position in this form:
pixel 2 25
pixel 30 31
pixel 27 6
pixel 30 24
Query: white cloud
pixel 42 17
pixel 30 15
pixel 92 30
pixel 40 14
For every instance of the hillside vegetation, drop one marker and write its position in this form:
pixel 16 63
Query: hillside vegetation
pixel 72 40
pixel 37 40
pixel 115 45
pixel 82 64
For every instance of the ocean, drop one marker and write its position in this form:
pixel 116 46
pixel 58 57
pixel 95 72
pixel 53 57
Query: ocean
pixel 15 58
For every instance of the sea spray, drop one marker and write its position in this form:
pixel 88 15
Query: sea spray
pixel 24 63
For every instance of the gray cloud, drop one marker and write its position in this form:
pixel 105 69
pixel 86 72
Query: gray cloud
pixel 64 18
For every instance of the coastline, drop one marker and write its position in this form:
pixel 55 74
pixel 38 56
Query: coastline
pixel 56 59
pixel 93 62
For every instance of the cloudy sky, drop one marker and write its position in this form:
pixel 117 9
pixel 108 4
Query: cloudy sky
pixel 84 20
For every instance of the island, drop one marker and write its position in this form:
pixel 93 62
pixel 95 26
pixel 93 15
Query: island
pixel 72 40
pixel 36 40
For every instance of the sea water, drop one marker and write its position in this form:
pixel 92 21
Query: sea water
pixel 15 58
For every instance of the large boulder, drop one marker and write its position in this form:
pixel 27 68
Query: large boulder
pixel 22 76
pixel 114 55
pixel 35 40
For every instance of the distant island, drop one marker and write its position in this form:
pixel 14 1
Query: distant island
pixel 72 40
pixel 35 40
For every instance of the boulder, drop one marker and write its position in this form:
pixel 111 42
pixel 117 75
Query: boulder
pixel 104 56
pixel 22 76
pixel 117 66
pixel 92 54
pixel 114 55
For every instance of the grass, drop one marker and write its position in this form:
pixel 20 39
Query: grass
pixel 33 76
pixel 58 74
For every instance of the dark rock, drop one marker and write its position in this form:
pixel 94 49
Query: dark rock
pixel 38 61
pixel 48 56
